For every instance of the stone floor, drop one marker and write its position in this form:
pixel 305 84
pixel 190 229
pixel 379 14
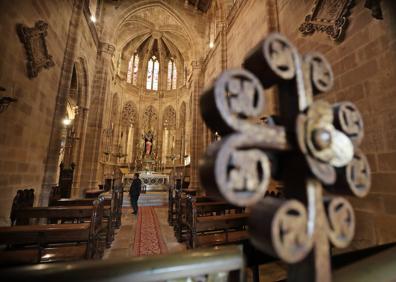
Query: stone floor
pixel 122 246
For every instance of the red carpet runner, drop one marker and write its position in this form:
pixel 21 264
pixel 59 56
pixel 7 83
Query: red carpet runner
pixel 148 239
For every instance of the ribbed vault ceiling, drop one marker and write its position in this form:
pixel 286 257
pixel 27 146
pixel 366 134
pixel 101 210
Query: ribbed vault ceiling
pixel 154 27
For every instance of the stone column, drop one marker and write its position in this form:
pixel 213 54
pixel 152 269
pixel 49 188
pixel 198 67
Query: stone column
pixel 197 141
pixel 79 152
pixel 51 164
pixel 92 168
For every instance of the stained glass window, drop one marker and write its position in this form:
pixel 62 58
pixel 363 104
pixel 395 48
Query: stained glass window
pixel 152 74
pixel 119 65
pixel 172 75
pixel 169 84
pixel 156 74
pixel 135 68
pixel 129 73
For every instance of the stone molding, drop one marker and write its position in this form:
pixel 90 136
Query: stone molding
pixel 105 47
pixel 328 16
pixel 35 44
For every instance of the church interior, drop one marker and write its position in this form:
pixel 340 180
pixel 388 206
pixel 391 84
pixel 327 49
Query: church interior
pixel 258 138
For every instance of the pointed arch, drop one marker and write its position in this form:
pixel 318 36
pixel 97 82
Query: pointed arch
pixel 169 117
pixel 129 114
pixel 150 118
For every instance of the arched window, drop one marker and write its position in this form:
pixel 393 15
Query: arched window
pixel 152 74
pixel 133 68
pixel 172 75
pixel 119 65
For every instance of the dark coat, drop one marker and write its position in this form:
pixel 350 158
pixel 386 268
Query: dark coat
pixel 136 187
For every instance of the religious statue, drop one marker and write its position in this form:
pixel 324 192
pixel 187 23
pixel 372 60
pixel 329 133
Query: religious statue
pixel 148 143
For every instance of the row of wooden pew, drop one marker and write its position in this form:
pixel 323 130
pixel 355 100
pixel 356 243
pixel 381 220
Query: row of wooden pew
pixel 201 221
pixel 204 222
pixel 68 229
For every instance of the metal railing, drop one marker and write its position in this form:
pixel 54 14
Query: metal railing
pixel 215 264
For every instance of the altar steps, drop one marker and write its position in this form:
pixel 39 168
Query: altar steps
pixel 148 199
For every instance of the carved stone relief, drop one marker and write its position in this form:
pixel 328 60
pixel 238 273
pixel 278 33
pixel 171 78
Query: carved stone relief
pixel 150 118
pixel 169 118
pixel 329 16
pixel 129 114
pixel 34 41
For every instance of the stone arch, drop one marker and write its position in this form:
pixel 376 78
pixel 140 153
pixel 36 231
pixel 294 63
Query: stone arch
pixel 81 121
pixel 168 134
pixel 169 117
pixel 182 113
pixel 82 78
pixel 150 118
pixel 129 132
pixel 129 114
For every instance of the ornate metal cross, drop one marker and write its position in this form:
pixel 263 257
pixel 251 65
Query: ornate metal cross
pixel 314 145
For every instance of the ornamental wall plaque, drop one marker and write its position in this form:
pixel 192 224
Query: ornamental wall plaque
pixel 329 16
pixel 33 39
pixel 313 146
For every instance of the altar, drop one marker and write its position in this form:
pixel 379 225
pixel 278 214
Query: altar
pixel 151 181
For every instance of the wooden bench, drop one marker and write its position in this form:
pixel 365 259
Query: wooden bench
pixel 53 242
pixel 55 215
pixel 55 195
pixel 180 210
pixel 79 202
pixel 113 215
pixel 171 205
pixel 22 199
pixel 94 193
pixel 214 222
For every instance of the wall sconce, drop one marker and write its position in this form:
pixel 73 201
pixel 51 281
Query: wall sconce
pixel 5 101
pixel 66 121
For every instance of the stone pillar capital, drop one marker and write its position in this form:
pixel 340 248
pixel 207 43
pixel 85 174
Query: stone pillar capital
pixel 197 64
pixel 105 47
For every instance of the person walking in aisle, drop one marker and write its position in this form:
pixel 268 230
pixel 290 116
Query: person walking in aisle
pixel 134 192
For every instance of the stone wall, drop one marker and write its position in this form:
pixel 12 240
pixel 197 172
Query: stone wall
pixel 26 126
pixel 364 68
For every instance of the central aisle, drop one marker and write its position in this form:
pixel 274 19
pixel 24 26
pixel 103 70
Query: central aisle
pixel 147 233
pixel 148 238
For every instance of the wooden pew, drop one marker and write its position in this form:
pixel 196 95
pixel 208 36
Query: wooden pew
pixel 55 195
pixel 94 193
pixel 214 223
pixel 113 210
pixel 119 198
pixel 23 198
pixel 53 242
pixel 180 210
pixel 172 213
pixel 66 202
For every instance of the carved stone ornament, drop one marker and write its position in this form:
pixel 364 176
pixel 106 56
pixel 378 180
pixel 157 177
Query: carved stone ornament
pixel 36 48
pixel 329 16
pixel 313 146
pixel 129 114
